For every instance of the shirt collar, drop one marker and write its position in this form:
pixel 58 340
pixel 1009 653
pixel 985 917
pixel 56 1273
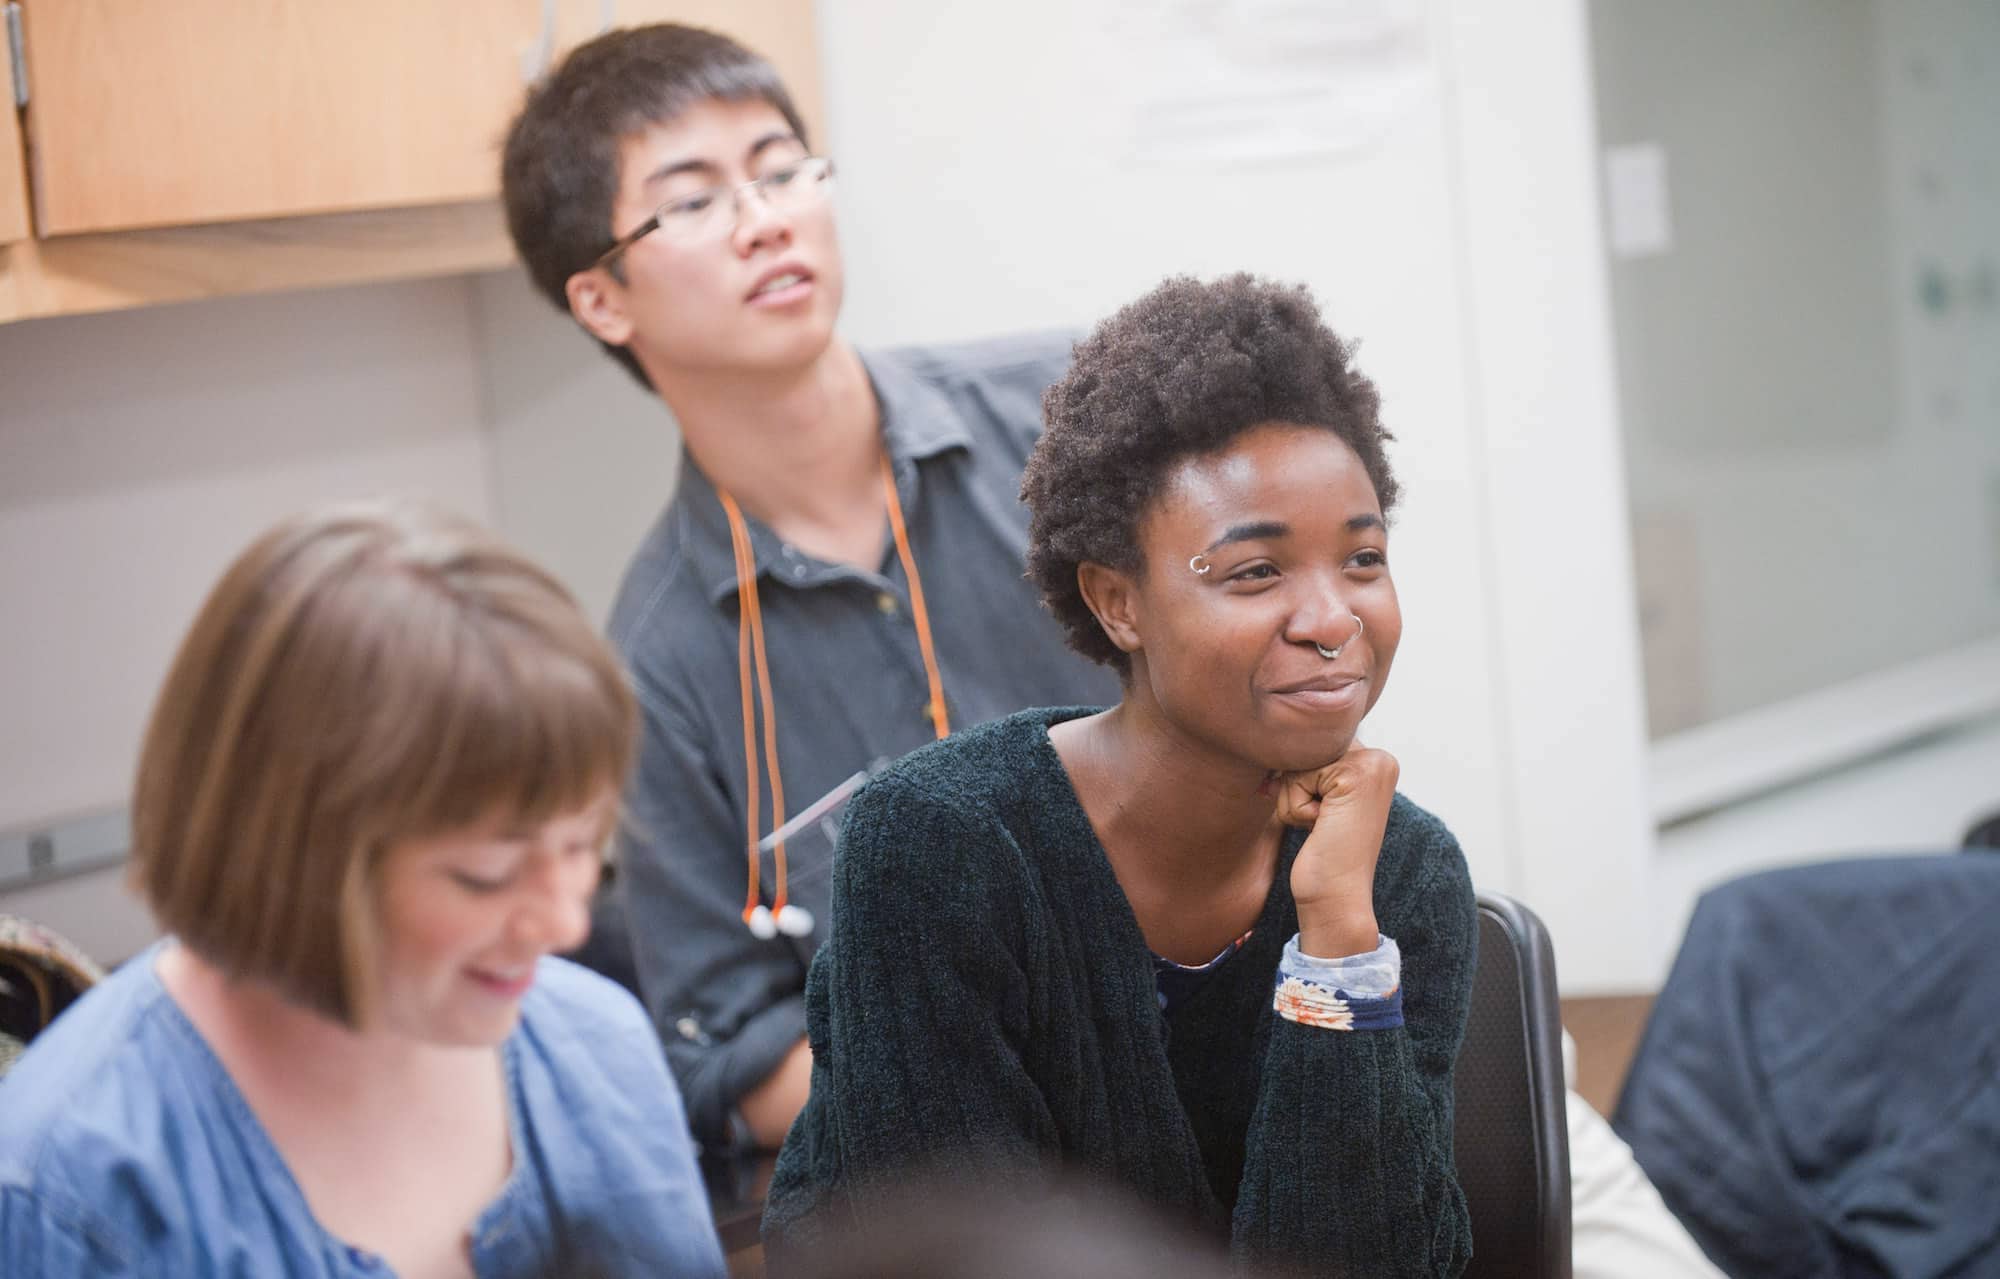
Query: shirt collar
pixel 919 422
pixel 918 419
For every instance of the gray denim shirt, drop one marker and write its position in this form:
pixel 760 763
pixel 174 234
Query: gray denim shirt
pixel 849 689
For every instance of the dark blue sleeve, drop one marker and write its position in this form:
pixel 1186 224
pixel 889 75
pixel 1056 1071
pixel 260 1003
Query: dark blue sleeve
pixel 727 1006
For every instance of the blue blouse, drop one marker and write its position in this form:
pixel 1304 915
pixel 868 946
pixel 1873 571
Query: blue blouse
pixel 126 1149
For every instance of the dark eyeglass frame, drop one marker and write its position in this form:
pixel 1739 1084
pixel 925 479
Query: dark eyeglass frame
pixel 815 169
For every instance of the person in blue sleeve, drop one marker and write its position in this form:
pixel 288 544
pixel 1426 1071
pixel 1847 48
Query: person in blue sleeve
pixel 1195 944
pixel 370 804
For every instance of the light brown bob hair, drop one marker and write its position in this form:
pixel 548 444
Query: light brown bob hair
pixel 363 675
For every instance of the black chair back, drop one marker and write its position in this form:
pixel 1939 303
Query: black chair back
pixel 1511 1130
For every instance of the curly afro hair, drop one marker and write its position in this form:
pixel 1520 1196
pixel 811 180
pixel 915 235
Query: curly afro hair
pixel 1181 372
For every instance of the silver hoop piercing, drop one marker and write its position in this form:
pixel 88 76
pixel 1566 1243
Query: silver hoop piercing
pixel 1330 653
pixel 1202 561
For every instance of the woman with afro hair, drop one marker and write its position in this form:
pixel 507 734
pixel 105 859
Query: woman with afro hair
pixel 1195 944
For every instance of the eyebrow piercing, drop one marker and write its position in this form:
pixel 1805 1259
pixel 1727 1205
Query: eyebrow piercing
pixel 1200 565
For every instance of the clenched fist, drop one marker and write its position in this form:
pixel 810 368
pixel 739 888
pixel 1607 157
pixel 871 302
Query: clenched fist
pixel 1346 805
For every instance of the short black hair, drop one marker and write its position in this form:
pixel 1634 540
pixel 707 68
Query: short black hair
pixel 559 166
pixel 1181 372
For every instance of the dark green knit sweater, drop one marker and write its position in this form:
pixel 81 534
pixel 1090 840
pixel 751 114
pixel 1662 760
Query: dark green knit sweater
pixel 986 1003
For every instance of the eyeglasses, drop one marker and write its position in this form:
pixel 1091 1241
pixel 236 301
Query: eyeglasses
pixel 712 213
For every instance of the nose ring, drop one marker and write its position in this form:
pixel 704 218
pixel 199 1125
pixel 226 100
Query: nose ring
pixel 1330 653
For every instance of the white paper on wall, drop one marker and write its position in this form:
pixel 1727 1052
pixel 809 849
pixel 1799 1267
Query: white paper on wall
pixel 1635 190
pixel 1666 558
pixel 1225 83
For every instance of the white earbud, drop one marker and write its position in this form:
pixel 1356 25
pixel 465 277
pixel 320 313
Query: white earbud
pixel 795 921
pixel 792 921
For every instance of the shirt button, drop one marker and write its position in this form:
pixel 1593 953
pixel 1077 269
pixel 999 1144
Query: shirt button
pixel 885 603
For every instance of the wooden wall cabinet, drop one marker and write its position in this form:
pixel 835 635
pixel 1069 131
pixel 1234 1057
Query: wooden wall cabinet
pixel 200 147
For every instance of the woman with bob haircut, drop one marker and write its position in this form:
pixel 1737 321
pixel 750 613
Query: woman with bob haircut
pixel 1196 943
pixel 370 805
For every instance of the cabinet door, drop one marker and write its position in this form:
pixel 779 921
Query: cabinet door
pixel 158 114
pixel 149 113
pixel 13 173
pixel 781 30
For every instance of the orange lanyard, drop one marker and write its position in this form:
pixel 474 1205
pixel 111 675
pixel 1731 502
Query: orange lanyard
pixel 918 613
pixel 754 678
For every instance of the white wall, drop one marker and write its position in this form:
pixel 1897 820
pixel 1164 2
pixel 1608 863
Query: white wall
pixel 1554 528
pixel 584 458
pixel 139 452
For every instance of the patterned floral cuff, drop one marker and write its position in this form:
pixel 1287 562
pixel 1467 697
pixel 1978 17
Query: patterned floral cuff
pixel 1327 1008
pixel 1360 992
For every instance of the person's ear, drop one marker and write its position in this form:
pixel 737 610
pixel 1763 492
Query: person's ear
pixel 1112 596
pixel 599 305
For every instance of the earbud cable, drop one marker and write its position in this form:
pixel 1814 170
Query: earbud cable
pixel 754 678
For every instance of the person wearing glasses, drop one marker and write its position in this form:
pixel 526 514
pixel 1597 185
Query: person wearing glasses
pixel 837 577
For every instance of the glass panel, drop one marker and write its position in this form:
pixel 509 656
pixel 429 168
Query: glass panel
pixel 1803 216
